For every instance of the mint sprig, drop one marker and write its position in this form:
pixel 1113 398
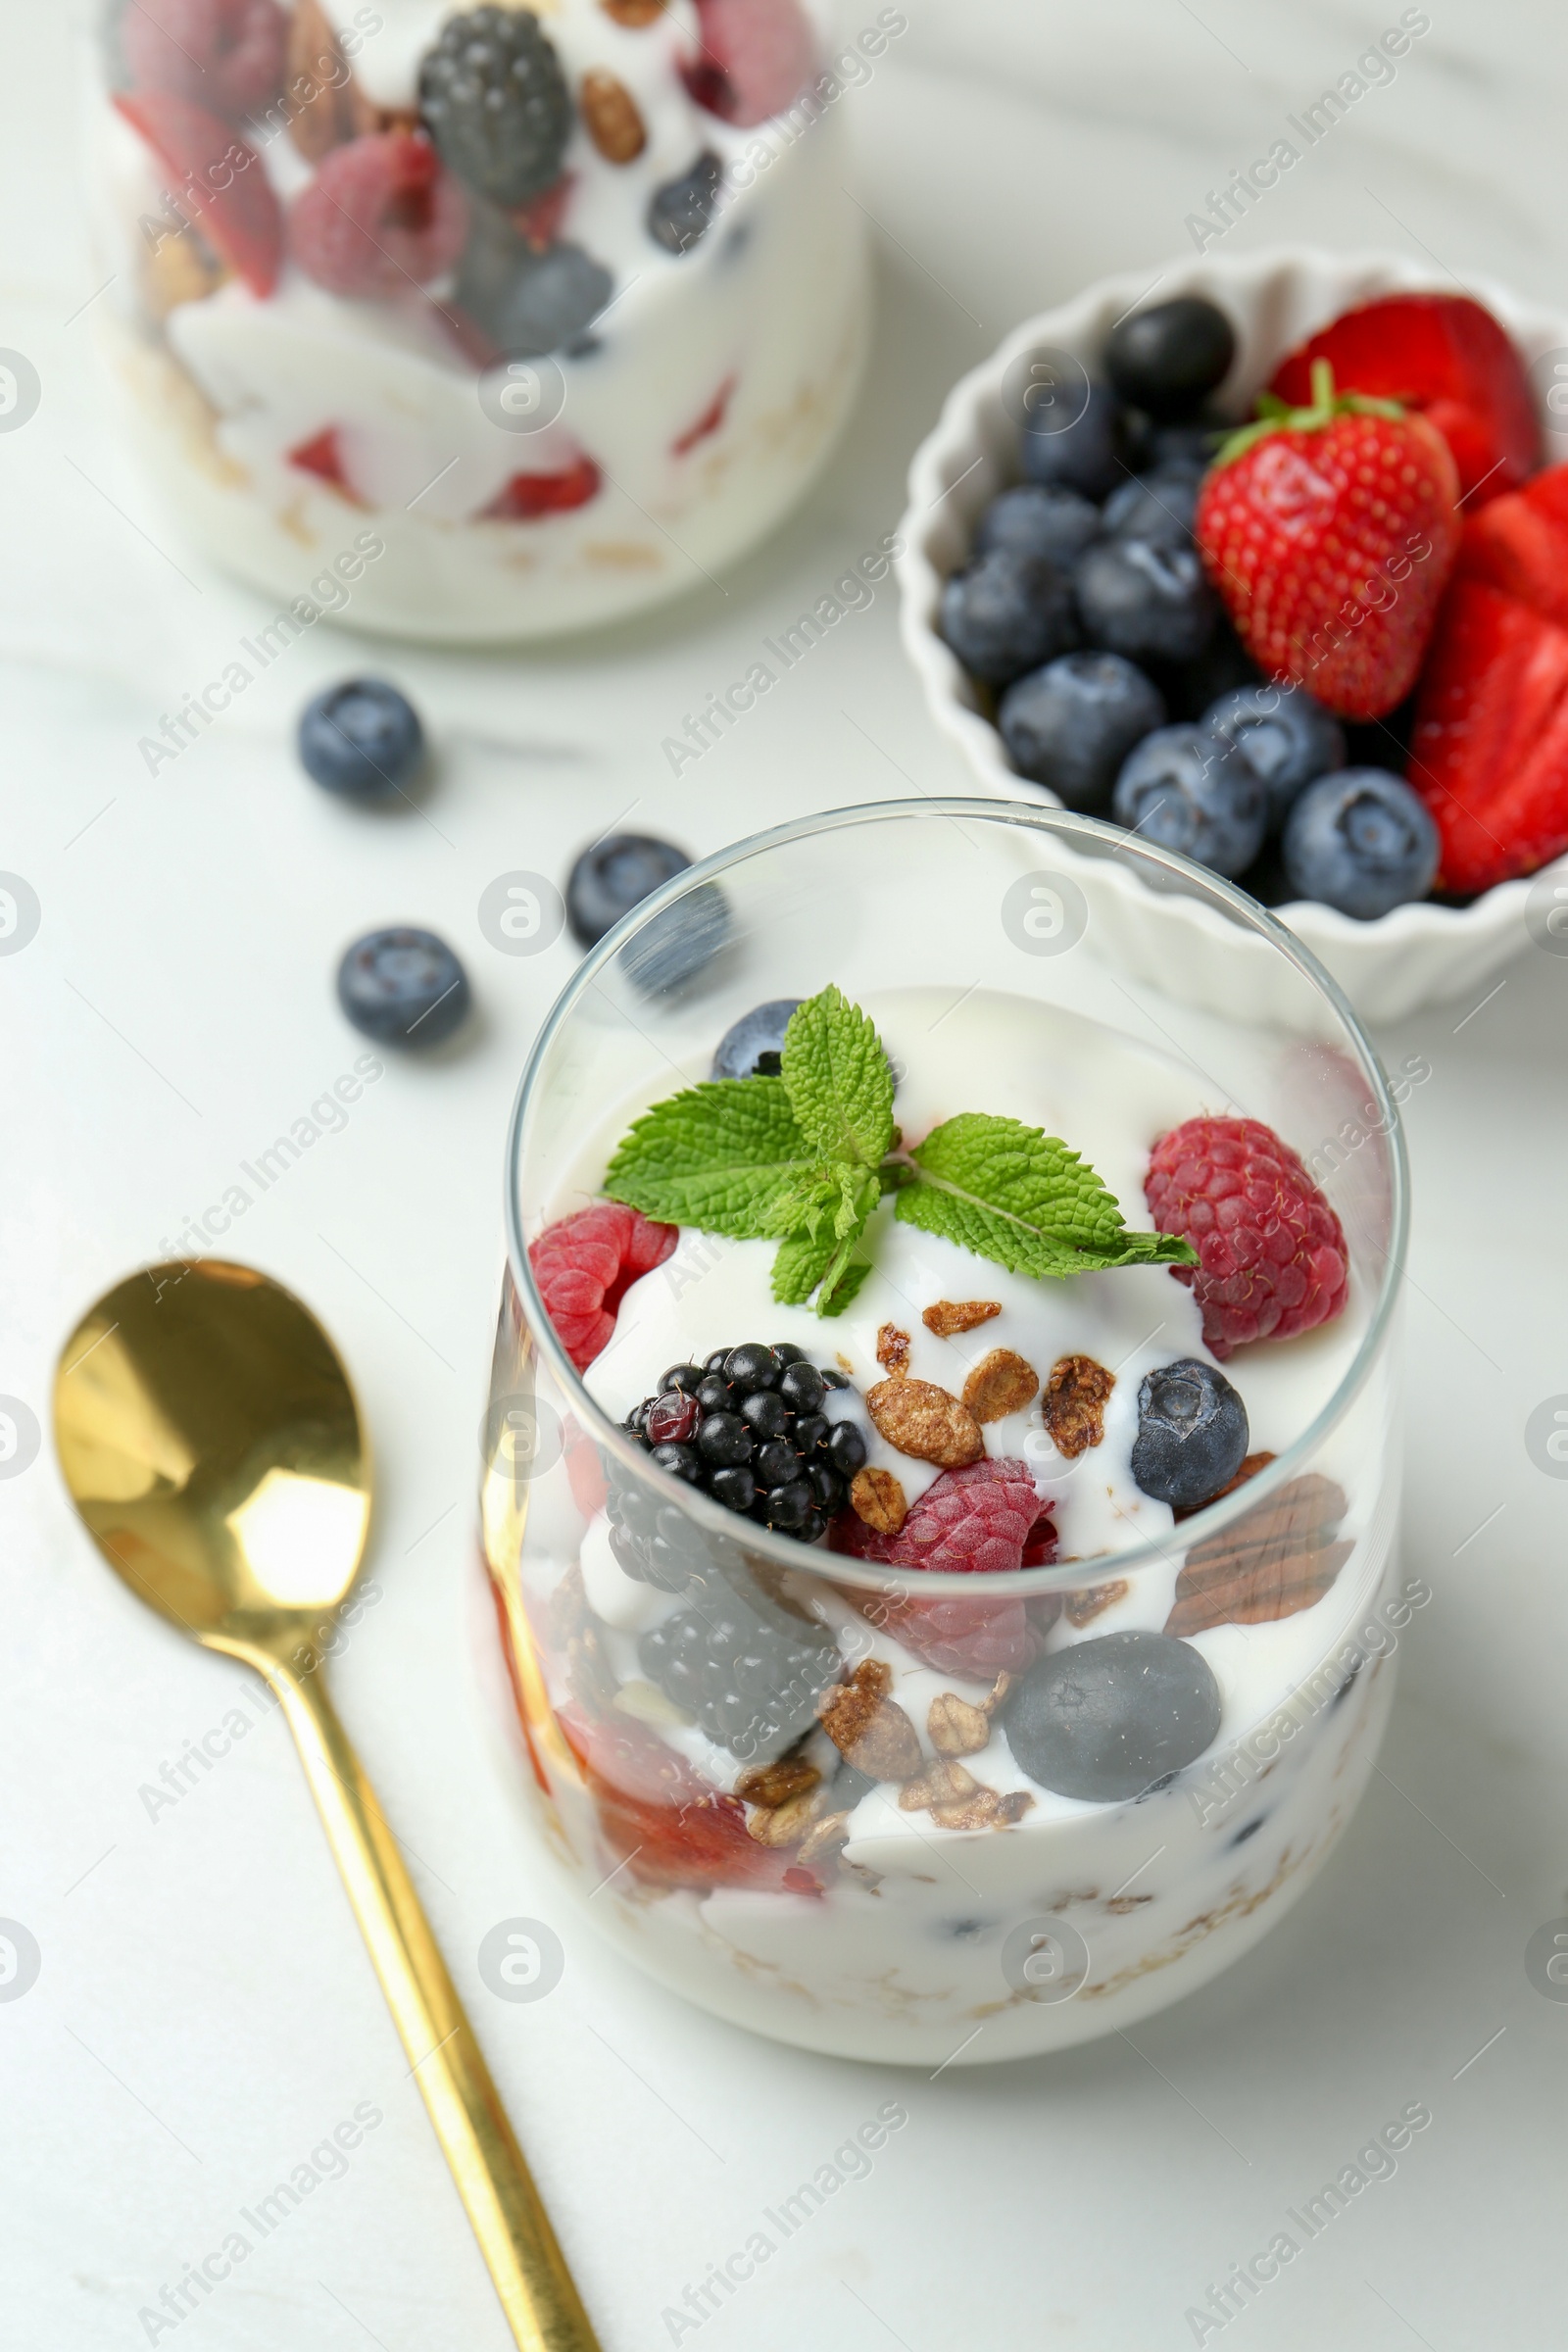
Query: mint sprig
pixel 806 1158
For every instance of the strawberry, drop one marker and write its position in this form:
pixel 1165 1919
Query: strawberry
pixel 1490 751
pixel 530 497
pixel 220 181
pixel 1520 544
pixel 668 1826
pixel 1329 532
pixel 1445 357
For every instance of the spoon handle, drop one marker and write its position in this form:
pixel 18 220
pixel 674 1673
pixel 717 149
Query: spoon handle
pixel 507 2214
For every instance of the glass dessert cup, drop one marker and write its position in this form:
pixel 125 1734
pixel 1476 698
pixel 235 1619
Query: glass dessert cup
pixel 882 1919
pixel 467 385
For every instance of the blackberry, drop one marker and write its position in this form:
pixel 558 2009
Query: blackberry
pixel 747 1428
pixel 750 1673
pixel 494 99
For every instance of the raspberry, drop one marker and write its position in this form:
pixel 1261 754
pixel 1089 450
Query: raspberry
pixel 668 1826
pixel 756 56
pixel 584 1267
pixel 985 1517
pixel 1272 1254
pixel 380 217
pixel 225 55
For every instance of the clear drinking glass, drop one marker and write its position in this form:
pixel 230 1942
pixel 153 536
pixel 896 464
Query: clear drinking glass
pixel 875 1931
pixel 479 323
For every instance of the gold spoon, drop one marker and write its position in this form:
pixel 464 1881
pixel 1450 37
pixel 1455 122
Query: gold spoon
pixel 212 1443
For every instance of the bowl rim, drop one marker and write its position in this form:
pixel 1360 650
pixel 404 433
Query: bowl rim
pixel 1372 272
pixel 1061 826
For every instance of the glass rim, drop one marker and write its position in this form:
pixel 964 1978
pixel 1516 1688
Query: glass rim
pixel 840 1568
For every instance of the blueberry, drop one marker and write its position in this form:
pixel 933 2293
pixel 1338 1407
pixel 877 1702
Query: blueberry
pixel 612 876
pixel 680 213
pixel 1285 737
pixel 1090 454
pixel 362 739
pixel 1071 724
pixel 1036 519
pixel 1186 792
pixel 1168 359
pixel 1191 443
pixel 1360 841
pixel 1101 1720
pixel 1223 664
pixel 1008 613
pixel 1153 506
pixel 673 945
pixel 549 304
pixel 1191 1433
pixel 1146 601
pixel 752 1047
pixel 403 986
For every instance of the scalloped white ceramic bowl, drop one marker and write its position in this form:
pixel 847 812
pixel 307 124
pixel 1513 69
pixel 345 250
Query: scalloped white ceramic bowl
pixel 1419 954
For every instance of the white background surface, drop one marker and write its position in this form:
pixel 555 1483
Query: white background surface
pixel 205 2014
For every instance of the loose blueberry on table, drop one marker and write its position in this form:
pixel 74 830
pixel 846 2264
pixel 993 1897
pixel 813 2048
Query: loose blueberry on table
pixel 741 1443
pixel 1421 547
pixel 404 987
pixel 362 739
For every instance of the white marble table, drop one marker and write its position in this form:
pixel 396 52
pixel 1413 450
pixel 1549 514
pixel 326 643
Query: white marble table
pixel 205 2015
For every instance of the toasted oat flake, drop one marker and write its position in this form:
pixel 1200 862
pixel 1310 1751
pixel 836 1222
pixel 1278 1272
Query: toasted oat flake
pixel 944 1782
pixel 1001 1382
pixel 1073 1406
pixel 925 1422
pixel 775 1784
pixel 869 1730
pixel 789 1823
pixel 893 1350
pixel 1094 1600
pixel 950 1316
pixel 955 1728
pixel 876 1496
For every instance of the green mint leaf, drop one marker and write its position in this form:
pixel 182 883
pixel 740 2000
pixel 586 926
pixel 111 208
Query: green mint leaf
pixel 726 1156
pixel 839 1082
pixel 1010 1193
pixel 819 1252
pixel 800 1265
pixel 835 1299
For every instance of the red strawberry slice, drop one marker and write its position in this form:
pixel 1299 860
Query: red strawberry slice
pixel 1329 532
pixel 220 181
pixel 322 456
pixel 1444 355
pixel 530 497
pixel 1520 544
pixel 670 1828
pixel 1490 751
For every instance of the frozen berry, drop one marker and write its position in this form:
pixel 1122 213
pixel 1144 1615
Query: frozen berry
pixel 1147 599
pixel 225 55
pixel 494 99
pixel 362 739
pixel 1070 725
pixel 1036 519
pixel 1168 359
pixel 1272 1255
pixel 751 1674
pixel 1153 506
pixel 1091 453
pixel 680 213
pixel 1102 1720
pixel 975 1520
pixel 1192 1434
pixel 756 56
pixel 404 987
pixel 613 876
pixel 529 303
pixel 1361 841
pixel 1285 737
pixel 752 1047
pixel 1008 613
pixel 1184 791
pixel 585 1264
pixel 380 217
